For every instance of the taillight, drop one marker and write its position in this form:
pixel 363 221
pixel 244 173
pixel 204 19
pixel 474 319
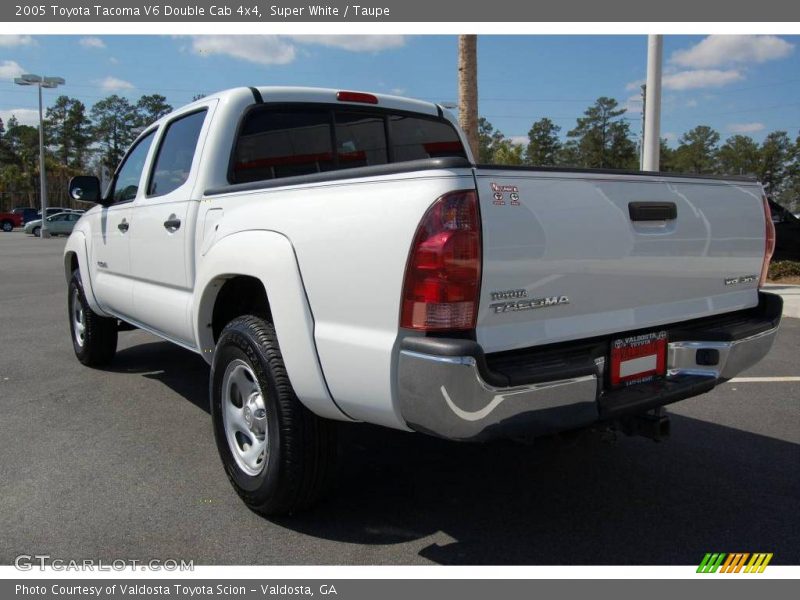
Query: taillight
pixel 356 97
pixel 769 247
pixel 443 274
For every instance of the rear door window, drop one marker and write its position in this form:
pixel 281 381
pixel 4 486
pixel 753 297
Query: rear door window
pixel 175 154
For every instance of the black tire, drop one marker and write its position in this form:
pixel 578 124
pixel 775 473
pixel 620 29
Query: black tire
pixel 301 448
pixel 36 231
pixel 8 226
pixel 100 333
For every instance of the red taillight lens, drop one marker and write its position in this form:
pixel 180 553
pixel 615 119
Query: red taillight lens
pixel 769 247
pixel 443 273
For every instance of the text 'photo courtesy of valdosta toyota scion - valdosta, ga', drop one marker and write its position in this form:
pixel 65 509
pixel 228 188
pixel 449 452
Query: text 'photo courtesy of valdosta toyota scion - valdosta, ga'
pixel 245 227
pixel 180 590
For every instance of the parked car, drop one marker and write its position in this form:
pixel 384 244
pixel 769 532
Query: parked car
pixel 54 210
pixel 28 213
pixel 338 255
pixel 58 224
pixel 787 233
pixel 9 220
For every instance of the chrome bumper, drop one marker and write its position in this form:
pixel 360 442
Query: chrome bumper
pixel 448 397
pixel 734 357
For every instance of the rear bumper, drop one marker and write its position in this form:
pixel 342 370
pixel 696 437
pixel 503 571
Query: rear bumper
pixel 449 388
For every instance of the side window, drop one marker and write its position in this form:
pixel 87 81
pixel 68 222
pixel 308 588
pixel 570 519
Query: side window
pixel 126 183
pixel 175 154
pixel 282 143
pixel 360 140
pixel 414 138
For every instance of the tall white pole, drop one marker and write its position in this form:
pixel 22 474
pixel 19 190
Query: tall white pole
pixel 652 114
pixel 42 176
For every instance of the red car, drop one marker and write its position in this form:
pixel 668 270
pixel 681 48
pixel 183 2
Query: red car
pixel 10 220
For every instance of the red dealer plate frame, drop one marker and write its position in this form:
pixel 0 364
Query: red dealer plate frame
pixel 637 358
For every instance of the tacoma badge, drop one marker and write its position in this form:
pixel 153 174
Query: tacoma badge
pixel 502 307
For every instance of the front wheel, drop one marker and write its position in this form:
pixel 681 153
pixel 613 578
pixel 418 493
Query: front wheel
pixel 278 455
pixel 36 231
pixel 94 338
pixel 8 226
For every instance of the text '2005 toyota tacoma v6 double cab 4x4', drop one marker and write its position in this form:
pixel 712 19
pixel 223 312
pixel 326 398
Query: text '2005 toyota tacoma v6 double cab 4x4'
pixel 338 256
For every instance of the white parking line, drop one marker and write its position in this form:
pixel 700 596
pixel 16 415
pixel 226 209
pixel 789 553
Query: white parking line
pixel 761 379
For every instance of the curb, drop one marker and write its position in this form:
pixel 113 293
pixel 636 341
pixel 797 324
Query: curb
pixel 791 298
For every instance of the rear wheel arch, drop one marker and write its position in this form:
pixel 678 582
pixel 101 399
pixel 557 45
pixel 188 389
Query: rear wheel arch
pixel 236 296
pixel 263 266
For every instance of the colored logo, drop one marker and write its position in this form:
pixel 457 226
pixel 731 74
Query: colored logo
pixel 736 562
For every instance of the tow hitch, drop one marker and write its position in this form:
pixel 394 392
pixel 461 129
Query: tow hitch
pixel 653 424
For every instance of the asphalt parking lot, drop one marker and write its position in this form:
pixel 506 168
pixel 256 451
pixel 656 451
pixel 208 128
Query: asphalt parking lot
pixel 121 463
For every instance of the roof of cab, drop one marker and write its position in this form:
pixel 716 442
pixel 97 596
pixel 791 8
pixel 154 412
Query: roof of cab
pixel 325 95
pixel 328 95
pixel 288 94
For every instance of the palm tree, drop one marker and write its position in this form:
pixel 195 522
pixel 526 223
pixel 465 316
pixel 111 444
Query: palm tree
pixel 468 89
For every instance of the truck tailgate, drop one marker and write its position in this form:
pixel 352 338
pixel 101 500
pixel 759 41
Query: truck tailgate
pixel 575 255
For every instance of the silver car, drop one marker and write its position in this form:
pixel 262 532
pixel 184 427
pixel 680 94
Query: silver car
pixel 60 224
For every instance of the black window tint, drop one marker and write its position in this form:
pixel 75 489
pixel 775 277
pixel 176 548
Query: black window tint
pixel 283 143
pixel 175 154
pixel 126 183
pixel 360 140
pixel 414 138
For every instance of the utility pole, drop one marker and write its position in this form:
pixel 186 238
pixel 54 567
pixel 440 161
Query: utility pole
pixel 468 89
pixel 652 109
pixel 641 136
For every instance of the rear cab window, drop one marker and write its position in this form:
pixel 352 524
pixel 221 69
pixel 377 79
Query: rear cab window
pixel 285 141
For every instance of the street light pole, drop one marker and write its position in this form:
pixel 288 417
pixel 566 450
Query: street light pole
pixel 44 232
pixel 50 83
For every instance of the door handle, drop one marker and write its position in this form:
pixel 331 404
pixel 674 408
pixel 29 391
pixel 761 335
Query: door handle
pixel 123 226
pixel 652 211
pixel 172 224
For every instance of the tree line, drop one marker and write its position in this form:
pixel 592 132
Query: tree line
pixel 77 140
pixel 80 140
pixel 602 138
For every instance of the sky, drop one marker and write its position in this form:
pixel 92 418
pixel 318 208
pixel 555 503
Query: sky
pixel 736 84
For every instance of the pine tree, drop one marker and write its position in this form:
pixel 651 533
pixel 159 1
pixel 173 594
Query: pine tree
pixel 544 145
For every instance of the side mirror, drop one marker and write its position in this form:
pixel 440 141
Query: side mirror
pixel 86 189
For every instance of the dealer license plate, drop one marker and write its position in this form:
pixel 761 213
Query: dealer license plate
pixel 638 358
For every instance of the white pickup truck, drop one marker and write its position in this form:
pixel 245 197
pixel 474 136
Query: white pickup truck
pixel 338 256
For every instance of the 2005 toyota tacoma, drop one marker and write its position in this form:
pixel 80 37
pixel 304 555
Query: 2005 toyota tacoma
pixel 338 256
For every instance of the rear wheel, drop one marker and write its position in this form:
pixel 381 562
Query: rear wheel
pixel 278 455
pixel 8 226
pixel 94 338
